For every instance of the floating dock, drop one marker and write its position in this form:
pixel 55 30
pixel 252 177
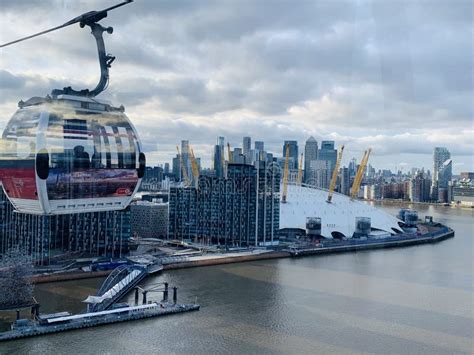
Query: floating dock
pixel 401 240
pixel 61 322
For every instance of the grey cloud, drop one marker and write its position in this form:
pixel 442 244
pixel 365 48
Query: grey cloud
pixel 395 67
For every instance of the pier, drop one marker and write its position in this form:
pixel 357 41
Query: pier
pixel 27 328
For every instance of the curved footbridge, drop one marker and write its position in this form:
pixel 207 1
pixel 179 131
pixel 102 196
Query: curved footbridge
pixel 119 282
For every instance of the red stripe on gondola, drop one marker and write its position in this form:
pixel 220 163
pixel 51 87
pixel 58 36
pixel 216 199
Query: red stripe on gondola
pixel 19 182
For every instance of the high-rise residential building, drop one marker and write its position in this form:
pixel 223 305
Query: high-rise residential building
pixel 149 219
pixel 293 154
pixel 240 210
pixel 45 237
pixel 310 154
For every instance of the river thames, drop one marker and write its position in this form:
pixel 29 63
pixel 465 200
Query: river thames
pixel 416 299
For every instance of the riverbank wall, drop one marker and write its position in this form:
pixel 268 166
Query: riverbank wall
pixel 433 237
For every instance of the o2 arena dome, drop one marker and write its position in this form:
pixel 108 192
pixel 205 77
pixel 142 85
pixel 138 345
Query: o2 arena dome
pixel 338 218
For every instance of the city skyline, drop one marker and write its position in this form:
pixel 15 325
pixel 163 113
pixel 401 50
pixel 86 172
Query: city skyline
pixel 346 159
pixel 271 73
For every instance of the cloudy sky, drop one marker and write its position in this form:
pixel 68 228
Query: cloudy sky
pixel 393 75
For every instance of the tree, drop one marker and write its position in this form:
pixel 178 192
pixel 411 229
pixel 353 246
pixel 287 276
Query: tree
pixel 15 288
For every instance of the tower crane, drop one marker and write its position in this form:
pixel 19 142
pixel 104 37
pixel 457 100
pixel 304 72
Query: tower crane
pixel 360 172
pixel 195 168
pixel 334 175
pixel 299 179
pixel 285 174
pixel 183 169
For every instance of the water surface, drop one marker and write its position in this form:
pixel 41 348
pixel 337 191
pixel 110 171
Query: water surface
pixel 408 300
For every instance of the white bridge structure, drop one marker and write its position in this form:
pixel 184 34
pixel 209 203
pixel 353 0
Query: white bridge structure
pixel 337 217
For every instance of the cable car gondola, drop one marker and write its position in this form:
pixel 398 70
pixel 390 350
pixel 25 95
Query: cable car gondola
pixel 69 152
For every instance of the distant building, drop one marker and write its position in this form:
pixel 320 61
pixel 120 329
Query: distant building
pixel 395 190
pixel 152 179
pixel 329 154
pixel 293 156
pixel 444 175
pixel 260 146
pixel 352 167
pixel 320 173
pixel 345 181
pixel 310 154
pixel 237 156
pixel 219 157
pixel 176 168
pixel 463 190
pixel 420 188
pixel 246 148
pixel 149 219
pixel 260 153
pixel 467 175
pixel 440 155
pixel 373 192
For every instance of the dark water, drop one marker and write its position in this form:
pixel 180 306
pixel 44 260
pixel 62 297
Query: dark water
pixel 409 300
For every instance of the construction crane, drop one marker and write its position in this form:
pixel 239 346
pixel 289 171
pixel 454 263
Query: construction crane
pixel 285 174
pixel 194 167
pixel 229 153
pixel 299 179
pixel 183 169
pixel 359 175
pixel 334 175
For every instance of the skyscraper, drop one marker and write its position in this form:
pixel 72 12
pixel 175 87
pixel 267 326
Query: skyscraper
pixel 329 154
pixel 310 153
pixel 445 175
pixel 246 147
pixel 293 161
pixel 219 157
pixel 440 155
pixel 259 145
pixel 260 153
pixel 220 141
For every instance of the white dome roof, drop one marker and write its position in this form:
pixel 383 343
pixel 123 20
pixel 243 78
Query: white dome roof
pixel 337 216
